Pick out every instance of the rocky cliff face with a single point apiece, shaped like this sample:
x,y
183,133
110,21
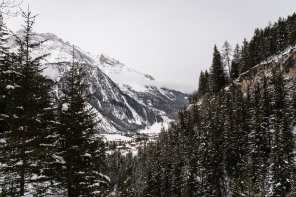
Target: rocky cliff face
x,y
284,62
125,100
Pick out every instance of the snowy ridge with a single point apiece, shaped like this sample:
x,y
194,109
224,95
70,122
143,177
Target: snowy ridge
x,y
124,99
123,75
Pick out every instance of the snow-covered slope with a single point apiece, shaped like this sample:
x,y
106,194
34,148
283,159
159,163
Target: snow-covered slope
x,y
125,100
124,76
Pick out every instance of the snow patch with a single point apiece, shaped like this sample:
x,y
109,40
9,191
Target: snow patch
x,y
87,155
51,73
9,87
19,163
59,159
155,128
65,106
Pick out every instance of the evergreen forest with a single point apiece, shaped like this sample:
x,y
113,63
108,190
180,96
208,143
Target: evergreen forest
x,y
236,137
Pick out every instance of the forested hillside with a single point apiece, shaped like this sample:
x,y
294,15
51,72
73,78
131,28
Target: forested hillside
x,y
236,138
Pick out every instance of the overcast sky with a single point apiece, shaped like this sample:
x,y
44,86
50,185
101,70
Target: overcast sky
x,y
171,40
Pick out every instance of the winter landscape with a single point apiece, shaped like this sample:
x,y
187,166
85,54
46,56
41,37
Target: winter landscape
x,y
74,123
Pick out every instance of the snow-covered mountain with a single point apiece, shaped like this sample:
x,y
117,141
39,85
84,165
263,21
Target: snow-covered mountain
x,y
125,100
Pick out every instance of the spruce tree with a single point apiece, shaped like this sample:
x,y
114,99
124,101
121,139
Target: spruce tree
x,y
235,138
207,81
5,73
214,151
283,144
217,75
226,54
282,34
235,63
28,112
125,176
80,151
293,103
165,162
6,82
201,84
273,39
258,142
245,57
254,49
266,112
291,24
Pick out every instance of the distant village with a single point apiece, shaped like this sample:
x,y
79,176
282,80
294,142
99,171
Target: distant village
x,y
127,143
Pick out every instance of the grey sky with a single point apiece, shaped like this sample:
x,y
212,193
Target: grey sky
x,y
172,40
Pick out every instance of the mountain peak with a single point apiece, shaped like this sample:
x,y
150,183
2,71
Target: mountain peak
x,y
124,75
104,59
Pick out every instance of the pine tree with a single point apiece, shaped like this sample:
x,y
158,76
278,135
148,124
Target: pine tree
x,y
203,87
291,24
166,162
153,171
207,81
6,82
202,84
266,42
273,39
5,74
246,116
217,75
125,176
245,57
266,111
27,116
235,63
140,172
265,135
214,151
244,186
113,163
189,146
293,103
282,34
226,54
254,49
283,144
177,164
258,142
80,151
235,138
240,130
